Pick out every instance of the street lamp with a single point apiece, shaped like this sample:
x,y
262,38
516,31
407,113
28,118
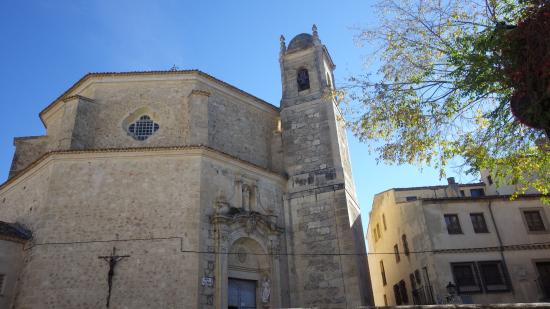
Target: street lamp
x,y
452,297
451,288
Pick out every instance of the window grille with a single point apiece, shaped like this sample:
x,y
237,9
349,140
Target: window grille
x,y
534,221
478,222
493,276
465,277
453,224
143,128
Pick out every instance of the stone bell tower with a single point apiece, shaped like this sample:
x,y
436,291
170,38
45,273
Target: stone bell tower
x,y
327,261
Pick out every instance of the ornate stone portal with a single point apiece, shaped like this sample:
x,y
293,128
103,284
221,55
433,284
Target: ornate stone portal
x,y
240,240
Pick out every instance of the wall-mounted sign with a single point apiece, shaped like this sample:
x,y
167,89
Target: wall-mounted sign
x,y
208,281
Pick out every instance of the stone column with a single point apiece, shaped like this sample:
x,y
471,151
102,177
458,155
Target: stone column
x,y
221,282
275,249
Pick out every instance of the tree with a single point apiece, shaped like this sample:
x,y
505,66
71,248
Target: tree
x,y
448,71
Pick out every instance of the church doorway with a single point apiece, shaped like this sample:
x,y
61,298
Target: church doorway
x,y
242,294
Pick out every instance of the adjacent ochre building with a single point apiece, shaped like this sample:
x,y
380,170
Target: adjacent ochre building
x,y
173,189
472,236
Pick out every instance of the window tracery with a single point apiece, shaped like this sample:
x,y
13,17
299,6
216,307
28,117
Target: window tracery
x,y
143,128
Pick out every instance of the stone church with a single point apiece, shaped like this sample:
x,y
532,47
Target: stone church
x,y
174,189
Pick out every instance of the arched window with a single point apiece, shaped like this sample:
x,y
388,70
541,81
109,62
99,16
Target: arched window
x,y
303,79
405,245
143,128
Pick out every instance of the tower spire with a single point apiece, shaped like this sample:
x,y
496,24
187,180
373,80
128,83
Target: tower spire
x,y
283,44
314,32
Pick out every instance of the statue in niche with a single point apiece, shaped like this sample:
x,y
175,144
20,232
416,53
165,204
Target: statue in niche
x,y
266,290
246,198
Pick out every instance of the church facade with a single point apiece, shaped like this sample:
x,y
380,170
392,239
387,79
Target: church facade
x,y
173,189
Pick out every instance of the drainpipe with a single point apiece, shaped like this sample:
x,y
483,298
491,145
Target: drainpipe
x,y
501,248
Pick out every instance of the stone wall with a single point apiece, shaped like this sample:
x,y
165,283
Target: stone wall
x,y
97,116
240,129
325,271
80,206
11,260
27,150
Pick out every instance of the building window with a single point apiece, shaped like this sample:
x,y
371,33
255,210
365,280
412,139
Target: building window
x,y
478,221
383,272
413,281
396,251
489,179
384,222
465,277
462,194
533,218
453,225
417,275
2,282
403,292
143,128
543,279
385,300
375,236
397,295
303,79
493,276
477,192
378,230
411,198
405,245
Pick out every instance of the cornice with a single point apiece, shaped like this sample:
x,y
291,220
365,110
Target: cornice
x,y
535,246
77,96
479,198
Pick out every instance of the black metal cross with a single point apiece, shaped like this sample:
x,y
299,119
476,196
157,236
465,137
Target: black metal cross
x,y
112,259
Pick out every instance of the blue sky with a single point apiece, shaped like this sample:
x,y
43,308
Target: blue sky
x,y
48,45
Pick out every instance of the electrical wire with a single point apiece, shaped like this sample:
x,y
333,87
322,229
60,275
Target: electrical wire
x,y
182,250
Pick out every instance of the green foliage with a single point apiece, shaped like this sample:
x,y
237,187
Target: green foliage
x,y
441,92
